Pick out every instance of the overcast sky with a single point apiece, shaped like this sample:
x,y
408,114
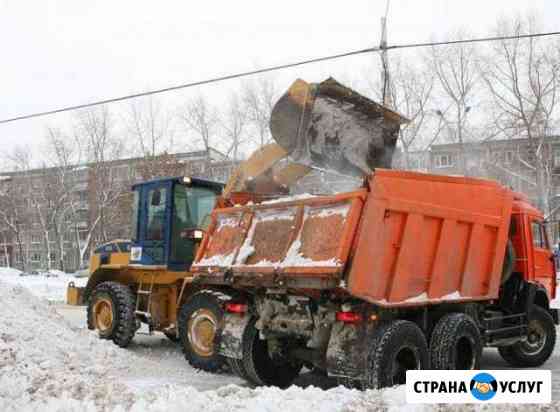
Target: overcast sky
x,y
66,52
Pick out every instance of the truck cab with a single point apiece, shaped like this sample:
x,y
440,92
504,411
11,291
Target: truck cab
x,y
534,259
168,219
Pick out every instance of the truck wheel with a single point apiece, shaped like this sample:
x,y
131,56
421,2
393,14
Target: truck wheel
x,y
396,347
111,312
237,367
538,347
456,343
264,362
200,319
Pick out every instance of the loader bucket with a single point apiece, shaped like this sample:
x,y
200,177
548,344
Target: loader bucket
x,y
329,126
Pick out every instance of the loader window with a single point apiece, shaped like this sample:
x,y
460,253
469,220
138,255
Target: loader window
x,y
134,223
156,214
191,206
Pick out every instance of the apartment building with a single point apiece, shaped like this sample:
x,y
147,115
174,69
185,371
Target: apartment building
x,y
43,224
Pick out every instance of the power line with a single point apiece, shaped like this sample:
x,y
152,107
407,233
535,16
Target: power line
x,y
479,40
268,69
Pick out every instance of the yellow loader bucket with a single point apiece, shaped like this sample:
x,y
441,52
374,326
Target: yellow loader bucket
x,y
329,126
74,295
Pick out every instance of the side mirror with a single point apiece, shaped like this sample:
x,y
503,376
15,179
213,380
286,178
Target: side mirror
x,y
156,198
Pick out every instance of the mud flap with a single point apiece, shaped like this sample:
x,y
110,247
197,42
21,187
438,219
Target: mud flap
x,y
347,350
230,341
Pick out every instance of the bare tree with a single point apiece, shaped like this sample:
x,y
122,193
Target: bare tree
x,y
63,155
95,131
522,76
234,123
201,118
259,97
150,127
458,80
411,91
14,216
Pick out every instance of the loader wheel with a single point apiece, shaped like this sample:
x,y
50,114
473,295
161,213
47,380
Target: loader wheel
x,y
264,361
111,312
456,343
397,346
541,338
172,336
200,320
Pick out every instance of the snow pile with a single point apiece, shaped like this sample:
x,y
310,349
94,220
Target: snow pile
x,y
46,365
50,285
43,358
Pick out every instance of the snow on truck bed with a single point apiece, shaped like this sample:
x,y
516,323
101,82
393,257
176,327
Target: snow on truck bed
x,y
274,235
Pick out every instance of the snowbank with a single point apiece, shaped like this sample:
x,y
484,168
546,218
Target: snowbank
x,y
48,285
48,365
42,358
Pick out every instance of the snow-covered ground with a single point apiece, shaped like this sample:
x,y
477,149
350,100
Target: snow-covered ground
x,y
49,361
48,285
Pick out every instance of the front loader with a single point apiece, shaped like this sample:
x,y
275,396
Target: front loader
x,y
323,127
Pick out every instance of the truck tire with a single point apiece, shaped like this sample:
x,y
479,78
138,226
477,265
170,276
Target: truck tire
x,y
396,347
541,339
261,369
237,367
111,312
456,343
199,321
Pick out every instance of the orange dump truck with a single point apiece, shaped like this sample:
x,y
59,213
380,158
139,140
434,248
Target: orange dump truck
x,y
411,271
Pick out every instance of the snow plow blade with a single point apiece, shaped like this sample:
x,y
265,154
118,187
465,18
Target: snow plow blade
x,y
329,126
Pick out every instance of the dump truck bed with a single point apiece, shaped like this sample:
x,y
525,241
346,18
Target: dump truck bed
x,y
406,239
301,241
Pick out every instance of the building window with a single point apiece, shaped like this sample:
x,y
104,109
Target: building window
x,y
35,238
443,160
35,257
509,156
496,157
557,158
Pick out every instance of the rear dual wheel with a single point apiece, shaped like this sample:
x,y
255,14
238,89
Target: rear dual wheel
x,y
456,343
397,346
265,361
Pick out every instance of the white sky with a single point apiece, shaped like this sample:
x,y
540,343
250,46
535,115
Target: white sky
x,y
66,52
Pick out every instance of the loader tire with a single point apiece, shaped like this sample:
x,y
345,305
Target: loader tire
x,y
261,368
200,320
456,343
541,338
111,312
172,336
397,346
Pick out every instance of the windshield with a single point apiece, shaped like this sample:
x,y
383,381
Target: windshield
x,y
193,205
191,209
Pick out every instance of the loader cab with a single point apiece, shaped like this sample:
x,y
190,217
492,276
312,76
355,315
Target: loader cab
x,y
167,215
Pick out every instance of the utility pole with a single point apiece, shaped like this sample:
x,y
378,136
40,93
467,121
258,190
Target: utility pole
x,y
387,101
